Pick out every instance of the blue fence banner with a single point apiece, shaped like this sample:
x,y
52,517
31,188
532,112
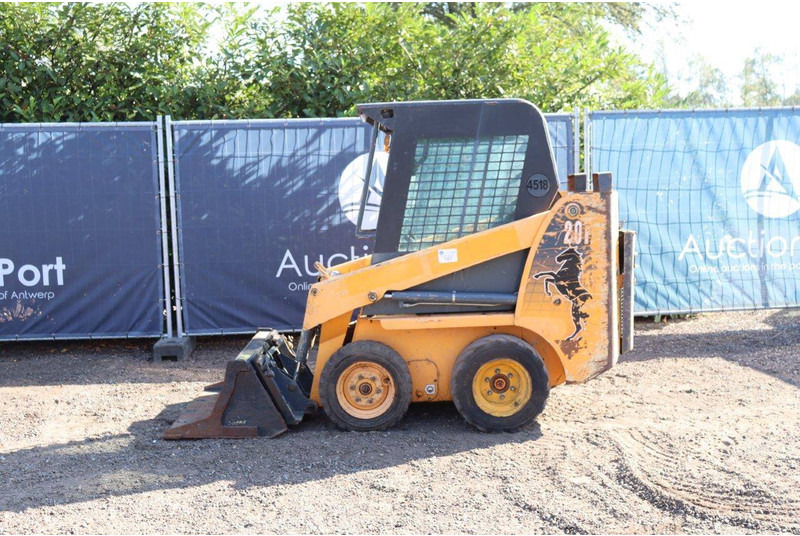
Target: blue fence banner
x,y
261,201
79,231
714,198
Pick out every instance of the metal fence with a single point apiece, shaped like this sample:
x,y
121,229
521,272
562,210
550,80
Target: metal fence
x,y
713,195
258,204
80,236
245,209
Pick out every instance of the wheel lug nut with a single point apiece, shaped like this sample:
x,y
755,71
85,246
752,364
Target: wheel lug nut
x,y
369,401
358,399
352,387
497,371
486,379
489,392
360,376
373,378
378,390
516,403
510,375
502,397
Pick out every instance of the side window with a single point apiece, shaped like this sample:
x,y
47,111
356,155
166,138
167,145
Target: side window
x,y
461,186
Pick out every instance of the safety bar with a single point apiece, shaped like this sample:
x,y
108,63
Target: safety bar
x,y
362,207
484,299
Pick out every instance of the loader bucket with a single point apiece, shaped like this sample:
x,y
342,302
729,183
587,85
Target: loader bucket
x,y
265,389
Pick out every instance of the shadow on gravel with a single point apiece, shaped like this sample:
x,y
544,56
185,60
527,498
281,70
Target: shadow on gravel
x,y
140,461
774,352
108,361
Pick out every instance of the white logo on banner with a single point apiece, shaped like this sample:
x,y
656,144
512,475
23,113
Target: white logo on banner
x,y
351,184
771,179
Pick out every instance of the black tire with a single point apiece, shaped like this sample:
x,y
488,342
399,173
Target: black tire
x,y
373,352
483,351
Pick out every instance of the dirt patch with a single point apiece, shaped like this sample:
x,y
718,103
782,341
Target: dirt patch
x,y
697,430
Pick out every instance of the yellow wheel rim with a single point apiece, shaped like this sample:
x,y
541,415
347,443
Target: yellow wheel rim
x,y
501,387
365,390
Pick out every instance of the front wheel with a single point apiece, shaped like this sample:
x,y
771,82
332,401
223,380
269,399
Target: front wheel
x,y
364,386
499,383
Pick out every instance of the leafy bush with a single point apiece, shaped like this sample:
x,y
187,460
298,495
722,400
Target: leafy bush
x,y
91,62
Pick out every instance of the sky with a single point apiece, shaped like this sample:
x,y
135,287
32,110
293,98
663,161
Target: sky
x,y
725,33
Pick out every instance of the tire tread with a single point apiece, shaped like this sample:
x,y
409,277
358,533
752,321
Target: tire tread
x,y
462,399
365,351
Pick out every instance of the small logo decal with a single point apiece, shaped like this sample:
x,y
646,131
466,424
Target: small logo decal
x,y
572,210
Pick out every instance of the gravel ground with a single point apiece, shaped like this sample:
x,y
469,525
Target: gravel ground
x,y
697,430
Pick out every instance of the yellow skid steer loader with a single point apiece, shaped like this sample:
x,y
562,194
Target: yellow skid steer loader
x,y
488,285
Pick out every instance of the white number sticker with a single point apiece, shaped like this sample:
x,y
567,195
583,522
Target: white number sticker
x,y
575,234
447,256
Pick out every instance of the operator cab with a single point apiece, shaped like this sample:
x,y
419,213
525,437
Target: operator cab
x,y
456,168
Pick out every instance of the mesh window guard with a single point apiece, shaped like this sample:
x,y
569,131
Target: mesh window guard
x,y
461,186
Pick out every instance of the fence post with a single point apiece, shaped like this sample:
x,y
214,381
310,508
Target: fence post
x,y
587,145
176,259
162,201
576,141
180,346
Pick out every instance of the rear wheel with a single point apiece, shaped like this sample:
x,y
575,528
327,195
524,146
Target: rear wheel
x,y
364,386
500,383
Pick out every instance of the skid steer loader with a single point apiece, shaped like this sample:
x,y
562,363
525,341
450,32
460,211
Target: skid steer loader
x,y
488,285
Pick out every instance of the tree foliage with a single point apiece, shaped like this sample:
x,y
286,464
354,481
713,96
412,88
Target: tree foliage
x,y
70,62
706,86
758,86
